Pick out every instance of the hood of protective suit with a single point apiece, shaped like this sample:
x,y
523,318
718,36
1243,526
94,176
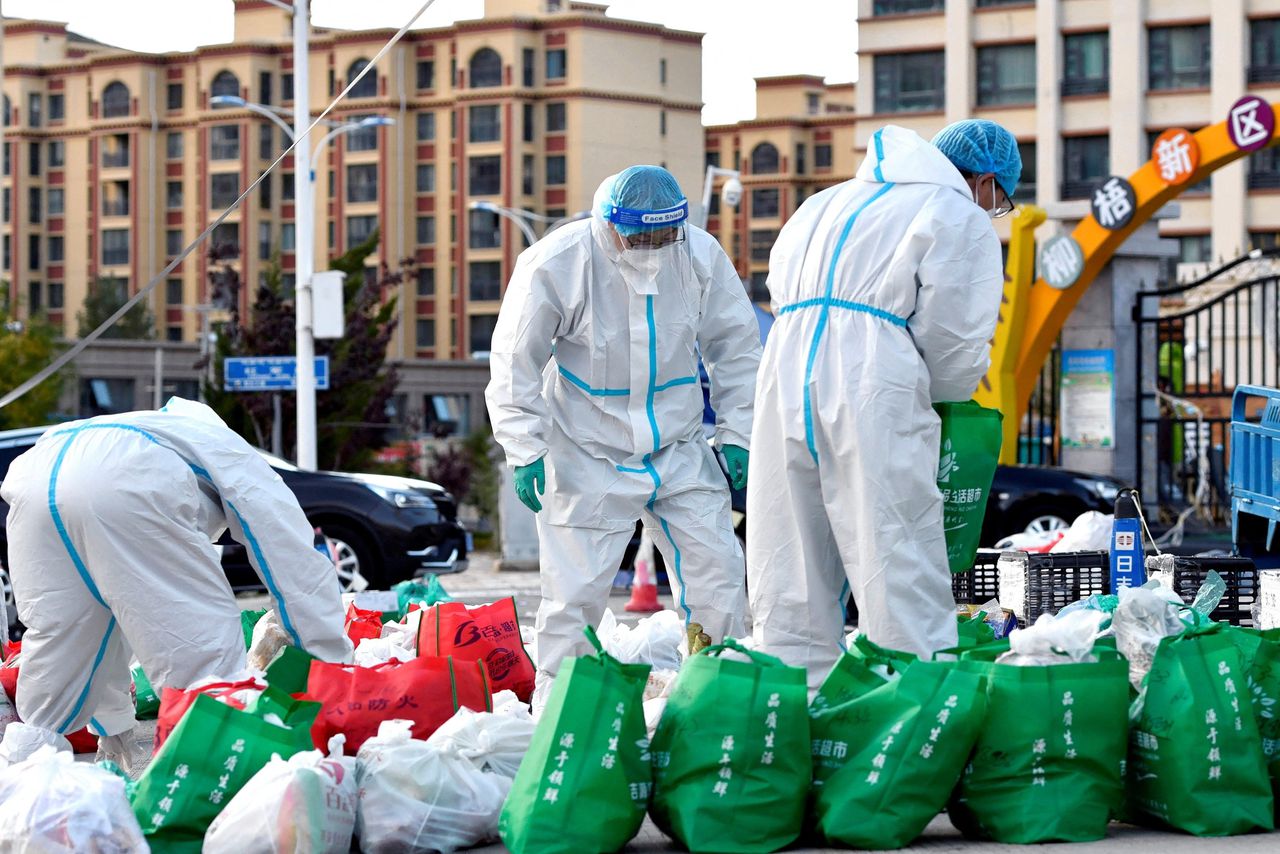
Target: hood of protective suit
x,y
193,409
899,156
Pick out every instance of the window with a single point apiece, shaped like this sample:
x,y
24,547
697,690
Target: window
x,y
555,170
485,176
764,159
56,249
362,183
7,254
762,241
662,71
485,68
1086,64
224,142
286,187
556,120
172,242
1195,249
909,82
426,178
485,278
758,287
55,296
528,123
173,291
173,97
1027,183
484,230
360,228
822,156
7,147
264,87
556,64
286,86
527,170
813,103
266,142
332,83
1085,162
224,189
288,237
57,154
264,241
55,202
5,204
115,101
426,332
173,194
33,158
35,109
426,77
484,123
426,126
426,230
905,7
1006,74
57,112
662,122
35,301
115,246
364,139
115,198
528,61
711,158
764,203
35,205
1264,169
1264,239
1264,52
801,159
264,195
226,84
1178,57
426,281
173,145
368,85
482,326
227,236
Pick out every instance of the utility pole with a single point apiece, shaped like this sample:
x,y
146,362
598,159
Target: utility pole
x,y
305,259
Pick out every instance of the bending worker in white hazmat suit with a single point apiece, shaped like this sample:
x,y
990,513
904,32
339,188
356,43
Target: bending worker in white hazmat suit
x,y
886,289
111,527
595,398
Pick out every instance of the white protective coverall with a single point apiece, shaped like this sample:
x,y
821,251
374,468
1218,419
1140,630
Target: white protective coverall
x,y
111,531
597,370
886,290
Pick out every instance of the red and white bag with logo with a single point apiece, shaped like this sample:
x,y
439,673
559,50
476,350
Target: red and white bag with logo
x,y
488,633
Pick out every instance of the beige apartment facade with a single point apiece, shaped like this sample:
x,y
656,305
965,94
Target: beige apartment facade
x,y
117,160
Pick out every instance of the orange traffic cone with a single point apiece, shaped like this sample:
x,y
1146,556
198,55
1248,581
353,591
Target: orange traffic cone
x,y
644,593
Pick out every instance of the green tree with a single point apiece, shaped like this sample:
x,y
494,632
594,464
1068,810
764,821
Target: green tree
x,y
25,348
106,295
351,417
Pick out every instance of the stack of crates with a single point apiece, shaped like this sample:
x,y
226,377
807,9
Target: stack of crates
x,y
1035,584
1238,573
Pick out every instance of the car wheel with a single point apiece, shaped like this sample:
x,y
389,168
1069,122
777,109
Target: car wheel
x,y
355,564
1046,524
1043,519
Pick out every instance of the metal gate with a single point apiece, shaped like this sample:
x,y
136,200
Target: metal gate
x,y
1038,433
1196,343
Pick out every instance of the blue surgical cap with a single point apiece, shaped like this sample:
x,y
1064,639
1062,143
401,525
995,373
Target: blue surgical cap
x,y
644,198
978,146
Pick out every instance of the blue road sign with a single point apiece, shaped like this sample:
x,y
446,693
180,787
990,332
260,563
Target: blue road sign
x,y
269,373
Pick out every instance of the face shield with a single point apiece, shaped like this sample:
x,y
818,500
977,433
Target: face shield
x,y
651,240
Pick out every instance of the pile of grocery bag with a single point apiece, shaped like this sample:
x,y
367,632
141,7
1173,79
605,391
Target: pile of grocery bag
x,y
1134,707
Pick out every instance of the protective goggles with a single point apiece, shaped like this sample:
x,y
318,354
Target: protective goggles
x,y
656,239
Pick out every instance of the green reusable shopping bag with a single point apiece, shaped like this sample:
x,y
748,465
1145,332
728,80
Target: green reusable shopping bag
x,y
249,619
207,758
861,668
973,631
885,763
970,450
290,669
731,754
1196,762
146,704
1047,766
585,781
1260,654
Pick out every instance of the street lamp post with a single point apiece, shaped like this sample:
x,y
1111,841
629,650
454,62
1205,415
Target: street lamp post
x,y
522,218
731,192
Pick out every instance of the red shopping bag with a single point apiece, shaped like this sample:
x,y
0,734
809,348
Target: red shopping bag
x,y
427,691
488,633
363,624
175,702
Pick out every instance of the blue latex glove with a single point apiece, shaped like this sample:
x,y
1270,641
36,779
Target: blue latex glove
x,y
735,458
528,479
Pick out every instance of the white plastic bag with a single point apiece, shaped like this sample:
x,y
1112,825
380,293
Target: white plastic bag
x,y
404,632
1065,639
306,805
268,639
655,640
656,691
375,651
414,796
1091,532
21,741
1144,617
493,741
51,804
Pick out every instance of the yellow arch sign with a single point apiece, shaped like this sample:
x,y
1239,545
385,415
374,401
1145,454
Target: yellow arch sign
x,y
1032,315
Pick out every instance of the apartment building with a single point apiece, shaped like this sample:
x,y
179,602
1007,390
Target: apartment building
x,y
115,160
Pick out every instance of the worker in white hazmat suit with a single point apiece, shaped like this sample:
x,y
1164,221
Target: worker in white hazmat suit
x,y
596,401
886,290
111,531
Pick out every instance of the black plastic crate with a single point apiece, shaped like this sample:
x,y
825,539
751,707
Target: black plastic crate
x,y
1035,584
978,585
1239,573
